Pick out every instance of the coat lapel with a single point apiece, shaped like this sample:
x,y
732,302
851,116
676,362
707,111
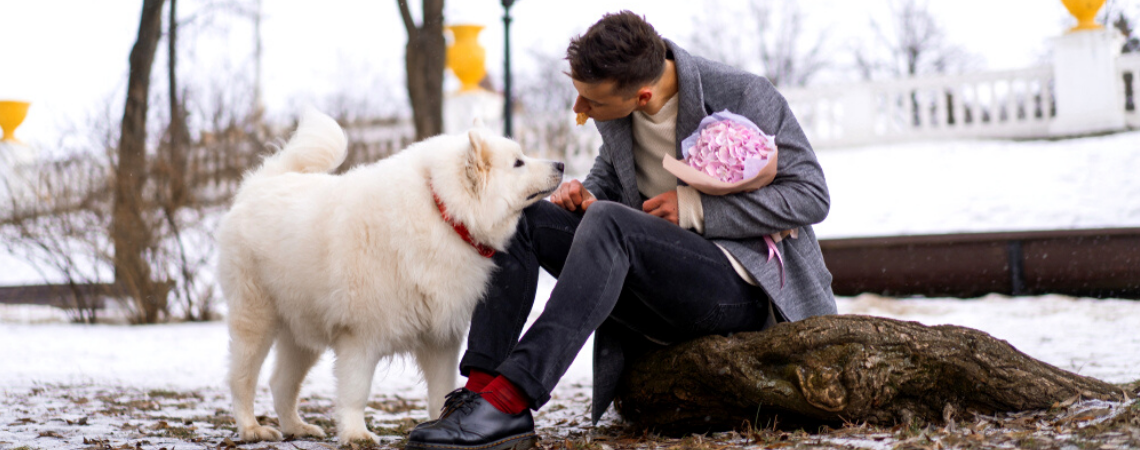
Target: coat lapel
x,y
618,135
691,107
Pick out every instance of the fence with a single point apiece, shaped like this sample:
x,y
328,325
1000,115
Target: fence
x,y
1130,76
1006,104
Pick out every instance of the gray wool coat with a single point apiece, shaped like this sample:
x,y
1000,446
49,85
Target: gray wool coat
x,y
797,198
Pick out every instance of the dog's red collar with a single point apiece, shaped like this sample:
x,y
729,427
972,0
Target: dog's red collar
x,y
459,228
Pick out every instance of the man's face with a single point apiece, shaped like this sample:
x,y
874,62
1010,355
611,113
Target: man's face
x,y
599,101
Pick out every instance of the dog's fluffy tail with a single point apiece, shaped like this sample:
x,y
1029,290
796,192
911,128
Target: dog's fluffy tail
x,y
318,145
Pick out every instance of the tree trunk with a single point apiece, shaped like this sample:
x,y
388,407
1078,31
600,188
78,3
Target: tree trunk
x,y
829,370
424,64
175,163
128,229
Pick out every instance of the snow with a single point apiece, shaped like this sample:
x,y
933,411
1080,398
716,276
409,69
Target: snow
x,y
878,190
1087,336
183,356
951,187
974,186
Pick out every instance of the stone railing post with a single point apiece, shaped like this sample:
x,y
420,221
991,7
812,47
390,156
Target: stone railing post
x,y
1087,91
859,116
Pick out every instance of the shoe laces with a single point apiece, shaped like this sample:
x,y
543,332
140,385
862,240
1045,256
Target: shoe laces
x,y
459,398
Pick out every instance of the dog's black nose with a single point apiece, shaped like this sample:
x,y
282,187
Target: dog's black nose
x,y
561,167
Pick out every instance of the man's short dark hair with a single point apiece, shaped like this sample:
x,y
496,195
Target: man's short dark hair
x,y
622,48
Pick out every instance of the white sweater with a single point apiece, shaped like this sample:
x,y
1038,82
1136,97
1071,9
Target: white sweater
x,y
655,136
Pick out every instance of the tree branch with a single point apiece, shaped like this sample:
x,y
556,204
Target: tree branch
x,y
409,24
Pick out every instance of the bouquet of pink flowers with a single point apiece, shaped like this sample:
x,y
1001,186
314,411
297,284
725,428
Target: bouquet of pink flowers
x,y
727,154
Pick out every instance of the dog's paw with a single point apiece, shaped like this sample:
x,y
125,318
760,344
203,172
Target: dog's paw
x,y
350,436
259,433
304,430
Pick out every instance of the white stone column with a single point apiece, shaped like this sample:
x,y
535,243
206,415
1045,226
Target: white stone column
x,y
460,109
858,116
1088,89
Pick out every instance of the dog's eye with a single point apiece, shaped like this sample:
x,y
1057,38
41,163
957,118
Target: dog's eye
x,y
518,163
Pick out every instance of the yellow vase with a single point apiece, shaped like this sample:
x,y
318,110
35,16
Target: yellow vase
x,y
1085,12
12,114
465,57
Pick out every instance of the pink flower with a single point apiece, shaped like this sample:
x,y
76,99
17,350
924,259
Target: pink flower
x,y
730,151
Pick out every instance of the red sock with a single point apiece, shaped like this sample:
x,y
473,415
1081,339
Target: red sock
x,y
477,380
505,396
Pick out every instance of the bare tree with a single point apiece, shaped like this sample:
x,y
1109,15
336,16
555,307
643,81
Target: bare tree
x,y
1124,25
128,227
173,167
424,63
59,217
769,39
548,128
913,43
42,226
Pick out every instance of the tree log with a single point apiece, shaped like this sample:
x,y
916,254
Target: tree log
x,y
831,370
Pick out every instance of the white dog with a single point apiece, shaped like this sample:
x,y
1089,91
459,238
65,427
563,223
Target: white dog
x,y
371,263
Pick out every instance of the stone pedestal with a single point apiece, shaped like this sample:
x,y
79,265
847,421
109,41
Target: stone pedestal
x,y
461,109
1087,87
17,174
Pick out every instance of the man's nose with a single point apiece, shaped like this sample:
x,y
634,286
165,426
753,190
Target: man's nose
x,y
580,105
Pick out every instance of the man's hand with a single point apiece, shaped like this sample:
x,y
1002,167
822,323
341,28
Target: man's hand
x,y
571,196
663,206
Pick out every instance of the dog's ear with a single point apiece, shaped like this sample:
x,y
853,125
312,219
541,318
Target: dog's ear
x,y
478,165
478,122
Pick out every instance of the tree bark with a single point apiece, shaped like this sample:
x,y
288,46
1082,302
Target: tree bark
x,y
424,64
129,231
829,370
175,164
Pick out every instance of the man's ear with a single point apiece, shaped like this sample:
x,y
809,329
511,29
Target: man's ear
x,y
478,160
643,96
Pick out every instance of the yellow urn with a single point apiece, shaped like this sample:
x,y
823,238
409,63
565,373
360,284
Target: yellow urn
x,y
1085,12
12,114
465,57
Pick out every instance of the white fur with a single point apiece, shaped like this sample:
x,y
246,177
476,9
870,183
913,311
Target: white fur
x,y
363,263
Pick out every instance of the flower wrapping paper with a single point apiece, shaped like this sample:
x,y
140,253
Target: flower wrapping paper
x,y
725,155
728,154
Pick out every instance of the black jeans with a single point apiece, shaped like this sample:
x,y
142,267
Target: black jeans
x,y
612,263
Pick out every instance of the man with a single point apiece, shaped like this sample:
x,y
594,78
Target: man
x,y
639,259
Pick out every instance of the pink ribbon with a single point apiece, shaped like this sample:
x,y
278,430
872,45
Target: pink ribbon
x,y
772,251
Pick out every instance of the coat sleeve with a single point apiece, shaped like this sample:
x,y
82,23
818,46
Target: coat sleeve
x,y
798,196
602,181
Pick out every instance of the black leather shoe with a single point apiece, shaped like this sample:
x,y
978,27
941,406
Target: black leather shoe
x,y
473,423
453,398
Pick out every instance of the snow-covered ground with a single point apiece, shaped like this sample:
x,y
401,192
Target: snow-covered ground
x,y
1088,336
163,385
884,190
975,186
956,186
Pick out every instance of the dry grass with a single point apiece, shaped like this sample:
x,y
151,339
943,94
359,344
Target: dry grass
x,y
103,418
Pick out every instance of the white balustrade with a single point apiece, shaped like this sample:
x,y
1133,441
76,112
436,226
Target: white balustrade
x,y
1012,104
1129,67
1006,104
